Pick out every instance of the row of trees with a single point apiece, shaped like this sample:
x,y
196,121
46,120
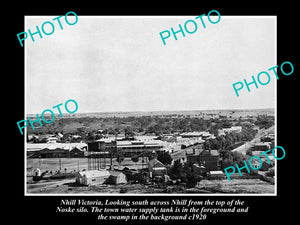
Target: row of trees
x,y
85,126
226,142
264,121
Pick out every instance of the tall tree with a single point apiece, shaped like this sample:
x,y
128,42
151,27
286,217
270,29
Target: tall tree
x,y
164,157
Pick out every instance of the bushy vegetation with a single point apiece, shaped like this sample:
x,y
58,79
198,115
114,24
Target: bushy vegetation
x,y
182,172
87,128
264,121
229,141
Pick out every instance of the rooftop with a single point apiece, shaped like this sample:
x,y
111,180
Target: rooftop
x,y
94,173
65,146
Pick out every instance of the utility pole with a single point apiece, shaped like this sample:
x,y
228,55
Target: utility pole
x,y
78,165
59,161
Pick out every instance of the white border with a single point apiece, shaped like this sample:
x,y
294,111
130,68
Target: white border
x,y
158,194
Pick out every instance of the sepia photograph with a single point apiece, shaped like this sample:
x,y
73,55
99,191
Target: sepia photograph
x,y
150,105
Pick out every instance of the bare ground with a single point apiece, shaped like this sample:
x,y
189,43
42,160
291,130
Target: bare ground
x,y
68,186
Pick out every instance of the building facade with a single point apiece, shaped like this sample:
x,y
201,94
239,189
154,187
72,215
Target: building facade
x,y
208,159
126,148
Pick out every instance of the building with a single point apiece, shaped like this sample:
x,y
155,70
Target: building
x,y
262,146
54,150
191,134
116,177
198,169
225,131
76,152
198,135
102,145
206,158
52,139
156,168
126,148
92,177
268,138
132,148
216,174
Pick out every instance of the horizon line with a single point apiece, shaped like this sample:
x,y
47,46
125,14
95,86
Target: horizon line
x,y
145,111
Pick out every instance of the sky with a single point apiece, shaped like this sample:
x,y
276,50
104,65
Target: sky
x,y
109,64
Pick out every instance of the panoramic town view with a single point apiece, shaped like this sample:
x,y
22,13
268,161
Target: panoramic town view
x,y
171,152
152,118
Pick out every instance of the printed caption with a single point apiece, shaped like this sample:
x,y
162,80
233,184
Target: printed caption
x,y
169,210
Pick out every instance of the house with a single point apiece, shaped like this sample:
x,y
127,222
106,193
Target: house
x,y
91,177
156,168
224,131
209,159
206,158
116,177
76,152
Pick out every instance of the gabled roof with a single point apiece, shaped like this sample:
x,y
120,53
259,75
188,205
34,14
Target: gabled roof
x,y
155,163
52,146
94,173
115,173
212,152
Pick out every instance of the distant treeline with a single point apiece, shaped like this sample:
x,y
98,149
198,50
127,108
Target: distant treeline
x,y
86,126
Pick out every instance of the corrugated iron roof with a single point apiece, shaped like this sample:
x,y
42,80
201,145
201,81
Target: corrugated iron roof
x,y
52,146
94,173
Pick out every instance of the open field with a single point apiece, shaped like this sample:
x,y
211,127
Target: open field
x,y
68,186
250,186
71,164
235,186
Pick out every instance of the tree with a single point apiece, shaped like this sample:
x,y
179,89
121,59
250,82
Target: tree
x,y
224,163
117,130
135,159
110,130
164,157
128,132
190,177
226,123
176,171
120,158
237,157
264,121
184,173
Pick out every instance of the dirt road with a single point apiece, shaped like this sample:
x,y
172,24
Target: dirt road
x,y
243,148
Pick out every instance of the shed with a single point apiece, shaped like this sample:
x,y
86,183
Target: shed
x,y
116,177
76,152
216,174
91,177
156,168
198,169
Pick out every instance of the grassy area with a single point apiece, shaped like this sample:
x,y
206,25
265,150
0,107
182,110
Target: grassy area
x,y
68,186
251,186
71,164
